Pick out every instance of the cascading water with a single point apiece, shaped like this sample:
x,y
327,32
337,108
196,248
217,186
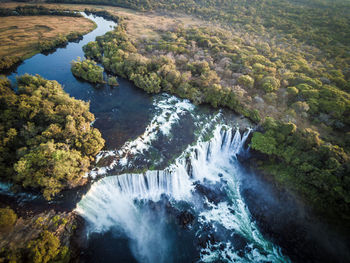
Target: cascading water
x,y
118,203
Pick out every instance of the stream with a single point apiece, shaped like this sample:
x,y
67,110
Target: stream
x,y
170,184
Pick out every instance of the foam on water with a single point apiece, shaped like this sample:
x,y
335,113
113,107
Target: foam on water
x,y
168,111
114,202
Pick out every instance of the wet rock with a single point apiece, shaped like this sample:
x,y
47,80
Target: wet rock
x,y
185,218
213,193
239,242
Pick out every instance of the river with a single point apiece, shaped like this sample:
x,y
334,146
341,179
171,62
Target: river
x,y
170,186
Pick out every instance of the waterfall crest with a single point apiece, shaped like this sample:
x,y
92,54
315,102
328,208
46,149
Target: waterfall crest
x,y
114,201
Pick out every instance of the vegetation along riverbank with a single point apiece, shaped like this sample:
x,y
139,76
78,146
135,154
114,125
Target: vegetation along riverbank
x,y
273,61
28,30
258,79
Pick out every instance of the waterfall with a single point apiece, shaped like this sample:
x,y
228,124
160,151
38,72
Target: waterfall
x,y
114,202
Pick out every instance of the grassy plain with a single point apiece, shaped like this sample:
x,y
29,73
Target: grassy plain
x,y
140,24
19,36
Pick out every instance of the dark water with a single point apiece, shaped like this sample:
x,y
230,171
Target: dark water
x,y
122,114
291,224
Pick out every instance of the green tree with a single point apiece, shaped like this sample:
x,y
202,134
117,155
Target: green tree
x,y
44,249
7,218
270,84
46,140
51,167
87,70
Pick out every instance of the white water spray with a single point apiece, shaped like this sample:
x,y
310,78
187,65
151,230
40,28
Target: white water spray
x,y
113,202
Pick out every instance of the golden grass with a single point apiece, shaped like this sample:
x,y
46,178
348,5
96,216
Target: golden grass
x,y
19,36
140,24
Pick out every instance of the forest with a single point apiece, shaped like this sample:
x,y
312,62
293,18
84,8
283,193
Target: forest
x,y
258,79
282,66
47,142
295,19
35,11
300,158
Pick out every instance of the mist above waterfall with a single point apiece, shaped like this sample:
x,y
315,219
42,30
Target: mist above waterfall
x,y
125,204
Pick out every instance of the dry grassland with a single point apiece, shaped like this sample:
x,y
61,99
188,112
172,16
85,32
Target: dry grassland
x,y
140,24
19,36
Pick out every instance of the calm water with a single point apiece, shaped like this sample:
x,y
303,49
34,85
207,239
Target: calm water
x,y
121,113
197,203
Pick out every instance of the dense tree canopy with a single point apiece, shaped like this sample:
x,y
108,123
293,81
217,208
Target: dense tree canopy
x,y
87,70
36,11
46,140
9,61
256,78
301,159
196,81
302,20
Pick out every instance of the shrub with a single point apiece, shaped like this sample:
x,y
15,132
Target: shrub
x,y
44,249
7,217
300,106
150,82
87,70
264,143
292,91
112,81
246,81
258,68
270,84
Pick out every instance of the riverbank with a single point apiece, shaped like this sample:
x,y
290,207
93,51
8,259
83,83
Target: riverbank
x,y
209,65
42,223
24,36
160,129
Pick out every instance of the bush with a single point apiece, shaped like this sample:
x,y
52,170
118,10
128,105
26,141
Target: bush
x,y
112,81
292,91
270,84
150,82
198,68
44,249
9,61
301,106
87,70
263,143
7,217
246,81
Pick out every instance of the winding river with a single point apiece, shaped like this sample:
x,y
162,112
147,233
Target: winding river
x,y
198,202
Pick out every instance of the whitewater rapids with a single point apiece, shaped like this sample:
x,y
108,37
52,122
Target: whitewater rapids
x,y
115,202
